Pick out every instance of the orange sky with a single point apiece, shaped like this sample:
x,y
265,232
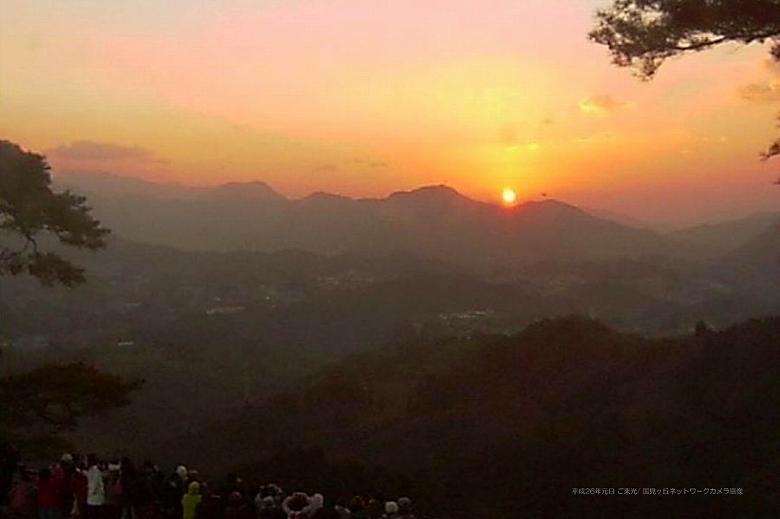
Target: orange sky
x,y
364,98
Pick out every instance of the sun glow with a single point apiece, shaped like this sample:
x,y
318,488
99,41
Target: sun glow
x,y
509,196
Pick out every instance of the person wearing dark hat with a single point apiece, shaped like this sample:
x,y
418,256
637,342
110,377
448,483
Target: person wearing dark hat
x,y
297,505
357,507
237,507
405,508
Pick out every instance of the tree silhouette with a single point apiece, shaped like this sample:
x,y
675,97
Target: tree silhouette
x,y
642,34
30,211
50,398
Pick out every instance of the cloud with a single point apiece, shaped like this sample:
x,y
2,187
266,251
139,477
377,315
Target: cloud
x,y
326,168
102,152
773,66
761,92
597,138
528,146
601,104
370,163
764,91
511,139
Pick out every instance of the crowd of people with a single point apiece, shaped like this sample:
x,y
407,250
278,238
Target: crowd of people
x,y
91,488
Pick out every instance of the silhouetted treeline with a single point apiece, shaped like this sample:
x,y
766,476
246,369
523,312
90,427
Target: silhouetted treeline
x,y
509,426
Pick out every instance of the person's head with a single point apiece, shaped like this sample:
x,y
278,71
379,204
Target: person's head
x,y
193,488
391,507
356,504
268,502
317,501
376,506
181,471
298,501
273,490
126,465
405,504
66,459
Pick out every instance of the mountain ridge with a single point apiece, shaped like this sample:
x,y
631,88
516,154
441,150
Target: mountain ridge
x,y
435,222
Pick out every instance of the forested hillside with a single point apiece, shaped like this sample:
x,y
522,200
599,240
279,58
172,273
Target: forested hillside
x,y
497,425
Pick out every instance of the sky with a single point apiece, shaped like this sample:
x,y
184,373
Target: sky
x,y
364,98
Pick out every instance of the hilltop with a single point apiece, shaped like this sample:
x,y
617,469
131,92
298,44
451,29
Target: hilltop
x,y
433,222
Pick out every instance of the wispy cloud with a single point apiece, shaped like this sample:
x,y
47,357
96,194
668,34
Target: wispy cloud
x,y
326,168
773,66
768,92
93,151
597,138
601,104
370,163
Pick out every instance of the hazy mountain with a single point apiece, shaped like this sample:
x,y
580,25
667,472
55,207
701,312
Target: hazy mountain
x,y
763,250
722,237
110,185
434,222
658,226
244,192
755,266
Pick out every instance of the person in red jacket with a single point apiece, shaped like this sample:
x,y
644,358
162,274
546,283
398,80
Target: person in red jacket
x,y
49,495
78,489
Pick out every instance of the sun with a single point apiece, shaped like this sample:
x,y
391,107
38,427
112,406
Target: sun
x,y
509,196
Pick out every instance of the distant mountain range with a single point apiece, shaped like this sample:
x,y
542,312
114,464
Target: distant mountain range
x,y
718,238
434,222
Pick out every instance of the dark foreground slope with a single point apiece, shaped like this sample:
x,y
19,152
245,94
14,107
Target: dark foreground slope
x,y
507,426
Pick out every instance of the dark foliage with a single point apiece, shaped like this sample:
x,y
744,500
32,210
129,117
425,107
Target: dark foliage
x,y
508,426
37,404
30,210
644,33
